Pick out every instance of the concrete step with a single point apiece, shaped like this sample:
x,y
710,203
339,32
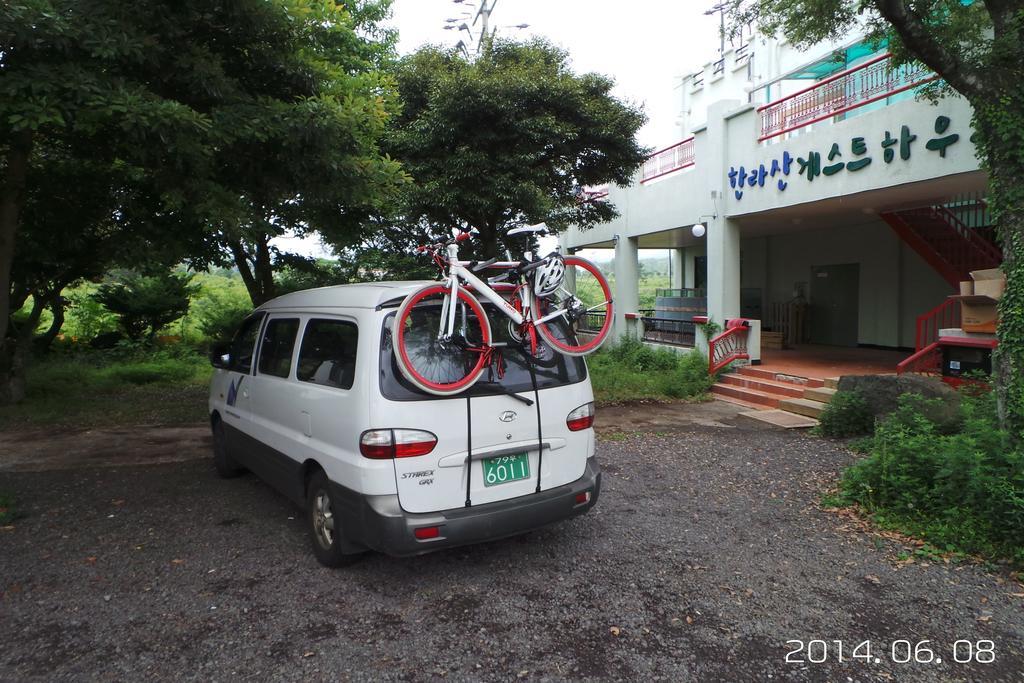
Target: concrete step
x,y
832,382
820,394
760,373
779,418
740,402
802,406
748,396
769,386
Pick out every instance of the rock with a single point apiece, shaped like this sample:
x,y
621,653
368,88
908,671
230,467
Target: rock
x,y
882,392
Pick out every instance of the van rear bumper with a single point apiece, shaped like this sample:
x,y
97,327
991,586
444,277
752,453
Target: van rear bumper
x,y
379,523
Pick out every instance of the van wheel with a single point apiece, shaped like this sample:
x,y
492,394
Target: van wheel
x,y
324,525
226,466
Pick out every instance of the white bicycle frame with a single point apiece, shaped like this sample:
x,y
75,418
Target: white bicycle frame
x,y
457,269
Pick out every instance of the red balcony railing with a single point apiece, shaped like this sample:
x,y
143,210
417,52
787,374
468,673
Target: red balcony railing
x,y
865,83
679,155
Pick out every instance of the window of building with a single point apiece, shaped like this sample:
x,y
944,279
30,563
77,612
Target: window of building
x,y
328,353
277,346
244,343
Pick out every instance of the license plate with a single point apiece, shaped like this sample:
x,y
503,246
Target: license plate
x,y
506,468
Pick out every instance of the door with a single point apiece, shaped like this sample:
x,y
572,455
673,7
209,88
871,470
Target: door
x,y
237,417
835,304
276,420
500,429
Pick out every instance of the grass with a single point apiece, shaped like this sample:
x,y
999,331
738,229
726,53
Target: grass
x,y
76,388
960,492
113,389
632,371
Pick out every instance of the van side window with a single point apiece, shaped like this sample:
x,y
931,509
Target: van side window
x,y
244,343
277,346
328,353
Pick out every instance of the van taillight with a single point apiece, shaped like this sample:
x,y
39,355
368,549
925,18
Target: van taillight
x,y
581,418
385,444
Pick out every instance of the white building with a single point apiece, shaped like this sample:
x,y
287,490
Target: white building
x,y
839,209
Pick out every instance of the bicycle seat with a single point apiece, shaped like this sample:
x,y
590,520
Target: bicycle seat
x,y
523,229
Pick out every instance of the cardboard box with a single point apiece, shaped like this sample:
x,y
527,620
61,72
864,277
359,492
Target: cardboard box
x,y
771,340
966,287
977,313
990,283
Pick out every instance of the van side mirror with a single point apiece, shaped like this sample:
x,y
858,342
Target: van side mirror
x,y
220,355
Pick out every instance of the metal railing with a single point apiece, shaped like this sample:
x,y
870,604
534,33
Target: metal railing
x,y
667,330
874,80
684,292
592,322
943,316
926,361
728,346
678,156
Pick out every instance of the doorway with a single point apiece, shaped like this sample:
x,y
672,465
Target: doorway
x,y
834,304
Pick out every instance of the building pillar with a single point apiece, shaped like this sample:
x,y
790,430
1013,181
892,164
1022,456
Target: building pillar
x,y
678,259
723,245
627,284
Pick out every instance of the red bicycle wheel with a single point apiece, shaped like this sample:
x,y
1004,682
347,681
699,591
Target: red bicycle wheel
x,y
438,366
585,300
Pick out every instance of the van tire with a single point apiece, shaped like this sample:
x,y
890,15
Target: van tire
x,y
324,526
226,466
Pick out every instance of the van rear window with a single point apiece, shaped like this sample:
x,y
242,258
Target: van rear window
x,y
553,369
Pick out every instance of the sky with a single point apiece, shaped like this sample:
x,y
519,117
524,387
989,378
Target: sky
x,y
644,45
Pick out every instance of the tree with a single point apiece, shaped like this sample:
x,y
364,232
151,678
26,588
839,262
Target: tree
x,y
225,123
308,159
146,303
977,47
508,137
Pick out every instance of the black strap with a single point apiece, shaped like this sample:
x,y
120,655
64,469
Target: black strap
x,y
540,436
469,451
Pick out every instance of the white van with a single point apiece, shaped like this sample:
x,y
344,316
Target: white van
x,y
308,397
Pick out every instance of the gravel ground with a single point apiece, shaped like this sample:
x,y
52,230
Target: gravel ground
x,y
705,554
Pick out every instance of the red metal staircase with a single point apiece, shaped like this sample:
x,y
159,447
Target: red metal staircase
x,y
944,241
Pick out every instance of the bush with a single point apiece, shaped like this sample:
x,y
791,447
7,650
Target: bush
x,y
631,370
847,414
86,317
220,308
145,303
690,378
962,491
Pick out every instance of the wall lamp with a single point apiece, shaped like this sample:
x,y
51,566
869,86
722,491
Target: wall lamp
x,y
700,228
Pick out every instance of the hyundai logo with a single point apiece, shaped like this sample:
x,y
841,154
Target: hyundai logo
x,y
507,416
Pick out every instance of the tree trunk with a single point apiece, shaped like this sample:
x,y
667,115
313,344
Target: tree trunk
x,y
1000,141
45,340
490,245
1009,356
257,271
16,356
264,270
12,195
